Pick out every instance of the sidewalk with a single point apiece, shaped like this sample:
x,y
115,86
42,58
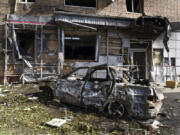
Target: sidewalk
x,y
169,90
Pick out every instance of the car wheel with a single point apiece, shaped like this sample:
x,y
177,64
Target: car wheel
x,y
116,109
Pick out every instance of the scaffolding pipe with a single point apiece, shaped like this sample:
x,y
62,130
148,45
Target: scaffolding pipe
x,y
107,48
15,6
23,80
59,50
35,46
132,2
6,57
62,40
41,52
63,48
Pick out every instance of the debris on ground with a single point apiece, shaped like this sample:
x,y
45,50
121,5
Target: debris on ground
x,y
2,95
5,91
27,109
56,122
154,124
33,98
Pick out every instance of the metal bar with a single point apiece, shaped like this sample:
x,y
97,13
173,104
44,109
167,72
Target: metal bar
x,y
41,52
23,81
15,6
6,57
132,2
59,49
35,46
98,44
13,49
169,59
62,40
107,48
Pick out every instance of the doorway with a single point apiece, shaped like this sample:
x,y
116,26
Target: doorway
x,y
139,59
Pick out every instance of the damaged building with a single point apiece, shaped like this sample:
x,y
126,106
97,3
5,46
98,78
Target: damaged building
x,y
44,39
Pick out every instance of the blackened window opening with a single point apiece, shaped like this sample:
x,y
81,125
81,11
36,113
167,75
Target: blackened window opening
x,y
135,6
82,3
28,0
81,47
25,41
31,1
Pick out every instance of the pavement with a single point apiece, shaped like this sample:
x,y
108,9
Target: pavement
x,y
171,107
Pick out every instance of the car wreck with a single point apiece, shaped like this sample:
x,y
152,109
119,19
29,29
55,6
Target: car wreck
x,y
104,88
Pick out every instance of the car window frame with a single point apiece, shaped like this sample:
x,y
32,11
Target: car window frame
x,y
75,70
92,72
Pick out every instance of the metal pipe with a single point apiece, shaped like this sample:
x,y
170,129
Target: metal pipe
x,y
6,57
15,6
41,52
107,48
59,49
132,2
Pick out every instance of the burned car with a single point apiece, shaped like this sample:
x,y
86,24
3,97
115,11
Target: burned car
x,y
101,87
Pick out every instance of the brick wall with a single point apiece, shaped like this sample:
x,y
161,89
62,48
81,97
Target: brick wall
x,y
166,8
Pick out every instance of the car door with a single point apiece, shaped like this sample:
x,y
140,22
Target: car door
x,y
69,87
96,88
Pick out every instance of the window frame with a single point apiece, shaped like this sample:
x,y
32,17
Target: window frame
x,y
96,53
166,61
134,11
81,6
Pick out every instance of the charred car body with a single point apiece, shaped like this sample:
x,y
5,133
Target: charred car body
x,y
102,88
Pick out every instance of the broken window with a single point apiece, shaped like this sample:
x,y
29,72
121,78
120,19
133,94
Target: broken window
x,y
25,41
82,3
135,5
158,56
80,46
27,1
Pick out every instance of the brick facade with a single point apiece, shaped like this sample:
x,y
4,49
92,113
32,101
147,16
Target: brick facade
x,y
167,8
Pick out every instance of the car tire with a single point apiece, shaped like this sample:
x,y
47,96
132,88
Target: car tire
x,y
116,109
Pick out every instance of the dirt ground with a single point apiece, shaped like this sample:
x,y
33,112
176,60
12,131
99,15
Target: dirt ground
x,y
21,116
